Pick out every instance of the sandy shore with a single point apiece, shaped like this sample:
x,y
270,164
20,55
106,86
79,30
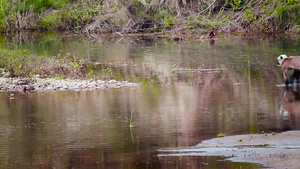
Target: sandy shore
x,y
51,84
281,150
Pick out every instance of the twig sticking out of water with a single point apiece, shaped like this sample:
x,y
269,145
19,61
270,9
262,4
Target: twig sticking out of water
x,y
131,124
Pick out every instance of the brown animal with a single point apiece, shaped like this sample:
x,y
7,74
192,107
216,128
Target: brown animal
x,y
289,63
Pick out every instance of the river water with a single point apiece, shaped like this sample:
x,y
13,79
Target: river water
x,y
188,92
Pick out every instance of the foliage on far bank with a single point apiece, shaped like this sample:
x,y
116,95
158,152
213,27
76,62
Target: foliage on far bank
x,y
142,16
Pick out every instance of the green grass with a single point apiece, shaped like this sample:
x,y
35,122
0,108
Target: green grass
x,y
50,21
221,135
20,64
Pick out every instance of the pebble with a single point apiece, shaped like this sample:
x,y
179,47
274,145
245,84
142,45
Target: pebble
x,y
49,84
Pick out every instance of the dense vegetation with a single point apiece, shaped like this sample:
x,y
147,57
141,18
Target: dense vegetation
x,y
136,16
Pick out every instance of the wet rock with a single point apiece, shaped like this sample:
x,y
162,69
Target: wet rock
x,y
168,85
112,81
28,88
23,82
65,87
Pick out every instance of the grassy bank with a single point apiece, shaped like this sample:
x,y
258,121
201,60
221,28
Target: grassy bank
x,y
20,64
148,16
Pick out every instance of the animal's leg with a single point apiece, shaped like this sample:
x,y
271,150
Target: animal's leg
x,y
295,76
286,76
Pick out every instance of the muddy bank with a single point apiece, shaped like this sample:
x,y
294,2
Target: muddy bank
x,y
273,151
51,84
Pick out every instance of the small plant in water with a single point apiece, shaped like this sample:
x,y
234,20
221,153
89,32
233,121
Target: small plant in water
x,y
131,124
240,140
221,135
266,134
273,133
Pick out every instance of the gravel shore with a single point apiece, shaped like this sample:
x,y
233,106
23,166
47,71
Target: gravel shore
x,y
279,150
51,84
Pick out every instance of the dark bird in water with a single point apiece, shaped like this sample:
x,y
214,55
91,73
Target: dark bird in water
x,y
211,34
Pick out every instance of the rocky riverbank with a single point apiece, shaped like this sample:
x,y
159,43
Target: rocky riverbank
x,y
279,150
51,84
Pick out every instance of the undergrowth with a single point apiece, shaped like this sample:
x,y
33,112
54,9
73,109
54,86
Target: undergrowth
x,y
20,64
135,16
